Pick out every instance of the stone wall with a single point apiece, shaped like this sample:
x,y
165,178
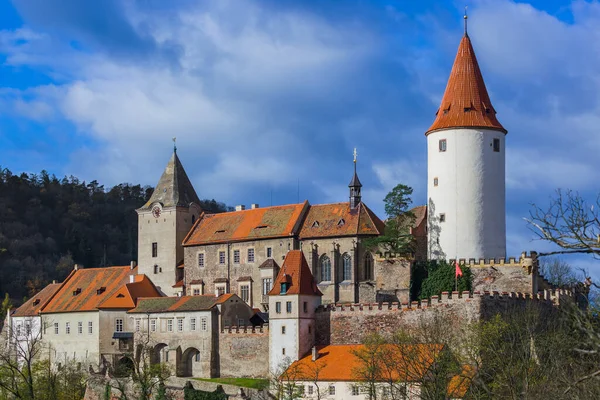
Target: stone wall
x,y
244,352
350,324
392,279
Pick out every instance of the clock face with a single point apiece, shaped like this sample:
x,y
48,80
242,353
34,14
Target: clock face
x,y
156,211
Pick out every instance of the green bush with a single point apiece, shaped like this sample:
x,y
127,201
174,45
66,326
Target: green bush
x,y
440,278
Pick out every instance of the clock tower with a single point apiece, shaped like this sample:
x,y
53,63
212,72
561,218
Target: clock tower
x,y
163,223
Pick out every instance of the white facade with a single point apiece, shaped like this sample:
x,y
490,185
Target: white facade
x,y
22,332
291,333
466,194
344,390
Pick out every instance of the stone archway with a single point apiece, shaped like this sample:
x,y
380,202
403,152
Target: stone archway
x,y
190,363
124,367
159,354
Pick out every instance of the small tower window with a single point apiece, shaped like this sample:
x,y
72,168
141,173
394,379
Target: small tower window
x,y
156,269
442,217
435,181
154,249
442,144
497,145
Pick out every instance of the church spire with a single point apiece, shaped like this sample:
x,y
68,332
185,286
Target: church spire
x,y
355,186
466,103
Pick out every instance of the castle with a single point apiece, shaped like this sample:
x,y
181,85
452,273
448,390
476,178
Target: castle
x,y
241,293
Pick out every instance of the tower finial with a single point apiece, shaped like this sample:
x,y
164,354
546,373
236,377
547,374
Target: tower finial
x,y
466,17
355,154
174,145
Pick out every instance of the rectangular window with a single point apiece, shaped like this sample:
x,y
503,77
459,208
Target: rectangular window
x,y
137,325
310,389
442,144
19,329
266,285
288,306
68,328
56,328
203,321
221,257
90,327
192,324
153,325
283,351
154,249
241,322
283,330
80,327
245,293
442,217
250,255
435,181
201,260
278,307
236,256
169,325
196,292
27,327
118,325
220,290
269,252
305,307
331,390
355,391
179,324
497,145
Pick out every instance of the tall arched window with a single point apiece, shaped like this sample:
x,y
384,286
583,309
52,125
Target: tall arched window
x,y
325,267
346,267
368,266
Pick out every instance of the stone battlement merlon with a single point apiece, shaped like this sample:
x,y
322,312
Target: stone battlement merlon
x,y
446,298
245,329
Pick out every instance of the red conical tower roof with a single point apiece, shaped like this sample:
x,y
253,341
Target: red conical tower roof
x,y
466,103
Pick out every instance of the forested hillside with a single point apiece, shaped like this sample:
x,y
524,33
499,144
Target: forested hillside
x,y
48,224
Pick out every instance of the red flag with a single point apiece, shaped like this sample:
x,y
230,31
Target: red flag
x,y
458,271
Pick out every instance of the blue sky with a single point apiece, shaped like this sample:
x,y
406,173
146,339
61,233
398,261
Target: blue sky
x,y
265,94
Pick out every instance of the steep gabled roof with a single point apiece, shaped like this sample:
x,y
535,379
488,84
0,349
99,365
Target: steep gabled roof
x,y
126,297
339,219
296,273
32,306
340,363
466,103
86,289
174,187
256,223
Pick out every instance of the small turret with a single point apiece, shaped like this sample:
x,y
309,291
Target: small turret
x,y
355,186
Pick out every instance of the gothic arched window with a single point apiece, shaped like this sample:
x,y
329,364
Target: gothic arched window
x,y
325,267
193,219
368,266
346,267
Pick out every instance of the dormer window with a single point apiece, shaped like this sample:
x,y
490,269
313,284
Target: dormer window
x,y
120,296
101,290
220,231
261,226
341,222
284,287
36,302
76,291
315,224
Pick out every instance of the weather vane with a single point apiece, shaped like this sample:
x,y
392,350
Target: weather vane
x,y
354,153
466,17
174,144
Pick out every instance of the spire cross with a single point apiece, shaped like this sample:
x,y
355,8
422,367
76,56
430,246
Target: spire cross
x,y
355,154
466,17
174,144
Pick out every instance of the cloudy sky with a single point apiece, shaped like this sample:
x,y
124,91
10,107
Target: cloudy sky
x,y
265,96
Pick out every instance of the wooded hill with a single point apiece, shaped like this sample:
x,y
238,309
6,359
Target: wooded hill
x,y
49,224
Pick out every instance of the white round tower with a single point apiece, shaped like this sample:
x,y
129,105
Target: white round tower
x,y
466,168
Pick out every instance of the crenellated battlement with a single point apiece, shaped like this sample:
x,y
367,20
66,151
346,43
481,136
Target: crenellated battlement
x,y
245,329
549,295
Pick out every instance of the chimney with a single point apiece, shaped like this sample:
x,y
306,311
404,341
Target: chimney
x,y
254,205
133,264
240,207
315,353
77,267
131,278
53,281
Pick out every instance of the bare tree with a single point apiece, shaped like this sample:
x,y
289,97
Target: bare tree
x,y
558,272
284,380
570,222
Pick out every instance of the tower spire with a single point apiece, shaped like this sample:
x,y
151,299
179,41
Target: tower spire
x,y
355,185
174,145
466,17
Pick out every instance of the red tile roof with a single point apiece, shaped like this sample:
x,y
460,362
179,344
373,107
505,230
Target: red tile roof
x,y
466,102
79,292
257,223
179,283
126,297
338,219
32,306
460,384
295,271
183,303
340,363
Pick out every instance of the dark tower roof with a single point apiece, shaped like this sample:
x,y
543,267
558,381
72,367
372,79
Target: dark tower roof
x,y
355,182
174,187
466,103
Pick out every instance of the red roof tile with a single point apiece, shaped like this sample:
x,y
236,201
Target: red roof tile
x,y
295,271
460,384
179,283
340,363
257,223
338,219
182,303
79,292
32,306
466,102
126,297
